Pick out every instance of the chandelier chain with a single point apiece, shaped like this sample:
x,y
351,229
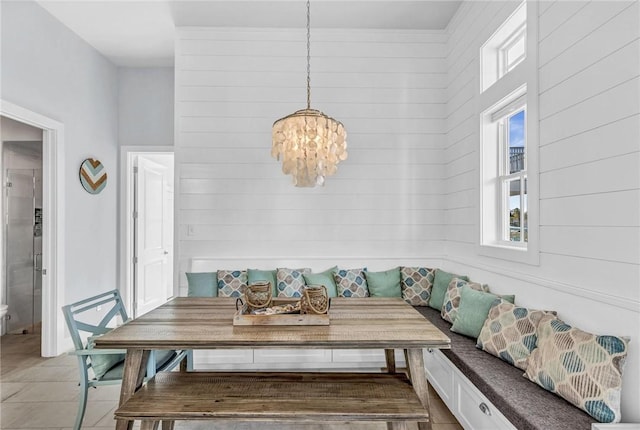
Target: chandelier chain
x,y
308,54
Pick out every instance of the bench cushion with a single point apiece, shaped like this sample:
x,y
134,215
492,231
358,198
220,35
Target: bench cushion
x,y
523,403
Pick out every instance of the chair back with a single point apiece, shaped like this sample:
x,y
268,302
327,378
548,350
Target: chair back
x,y
78,316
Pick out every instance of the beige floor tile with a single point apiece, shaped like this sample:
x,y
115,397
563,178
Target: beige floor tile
x,y
10,389
48,414
43,374
46,392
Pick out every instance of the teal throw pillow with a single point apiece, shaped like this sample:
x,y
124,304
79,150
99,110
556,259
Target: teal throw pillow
x,y
323,278
441,282
474,309
255,275
101,363
202,284
384,284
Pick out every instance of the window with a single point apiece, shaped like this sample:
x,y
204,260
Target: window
x,y
505,49
508,115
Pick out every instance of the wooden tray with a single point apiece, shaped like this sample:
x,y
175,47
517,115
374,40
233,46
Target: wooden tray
x,y
243,318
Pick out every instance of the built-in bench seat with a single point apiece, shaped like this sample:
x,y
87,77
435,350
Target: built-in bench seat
x,y
523,403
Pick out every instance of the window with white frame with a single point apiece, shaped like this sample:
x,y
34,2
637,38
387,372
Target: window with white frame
x,y
505,49
509,200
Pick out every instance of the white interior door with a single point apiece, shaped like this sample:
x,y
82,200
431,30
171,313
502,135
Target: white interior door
x,y
153,249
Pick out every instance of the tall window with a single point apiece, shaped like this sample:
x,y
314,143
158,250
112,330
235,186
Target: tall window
x,y
509,202
513,177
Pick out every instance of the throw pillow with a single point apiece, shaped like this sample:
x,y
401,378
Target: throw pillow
x,y
452,297
291,282
384,284
351,283
254,276
584,369
202,284
323,278
231,283
509,333
101,363
416,285
441,282
473,310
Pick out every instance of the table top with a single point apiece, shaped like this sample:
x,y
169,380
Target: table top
x,y
207,323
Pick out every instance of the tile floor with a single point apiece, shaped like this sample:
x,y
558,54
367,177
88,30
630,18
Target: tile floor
x,y
42,393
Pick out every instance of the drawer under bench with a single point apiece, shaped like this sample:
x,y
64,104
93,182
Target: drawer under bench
x,y
263,396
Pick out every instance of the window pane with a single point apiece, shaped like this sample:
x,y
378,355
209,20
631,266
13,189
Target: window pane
x,y
516,135
525,213
515,211
515,53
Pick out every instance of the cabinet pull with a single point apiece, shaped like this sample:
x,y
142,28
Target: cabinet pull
x,y
485,409
430,350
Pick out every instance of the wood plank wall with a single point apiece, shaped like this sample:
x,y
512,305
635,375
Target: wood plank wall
x,y
589,155
387,87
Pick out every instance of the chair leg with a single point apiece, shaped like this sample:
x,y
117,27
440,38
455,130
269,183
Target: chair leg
x,y
168,425
149,425
84,388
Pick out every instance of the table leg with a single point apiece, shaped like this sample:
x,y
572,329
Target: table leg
x,y
415,363
389,355
135,366
406,360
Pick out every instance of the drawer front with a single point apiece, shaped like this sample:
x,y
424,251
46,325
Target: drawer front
x,y
291,358
222,359
440,374
475,412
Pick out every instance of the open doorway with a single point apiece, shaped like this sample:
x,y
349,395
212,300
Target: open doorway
x,y
148,221
47,222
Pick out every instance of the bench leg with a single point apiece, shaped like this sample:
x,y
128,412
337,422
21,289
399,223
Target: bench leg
x,y
135,365
168,425
406,360
389,355
415,364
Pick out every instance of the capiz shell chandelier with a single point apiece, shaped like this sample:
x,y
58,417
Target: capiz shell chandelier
x,y
310,143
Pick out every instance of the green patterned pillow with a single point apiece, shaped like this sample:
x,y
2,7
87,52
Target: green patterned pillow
x,y
582,368
416,285
452,297
255,275
351,283
384,284
202,284
291,282
231,283
509,333
323,278
441,282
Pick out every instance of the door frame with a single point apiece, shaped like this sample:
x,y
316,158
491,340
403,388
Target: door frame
x,y
53,228
127,157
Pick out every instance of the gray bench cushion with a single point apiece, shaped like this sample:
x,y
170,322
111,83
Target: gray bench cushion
x,y
523,403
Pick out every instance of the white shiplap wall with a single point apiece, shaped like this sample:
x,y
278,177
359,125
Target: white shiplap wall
x,y
589,156
386,201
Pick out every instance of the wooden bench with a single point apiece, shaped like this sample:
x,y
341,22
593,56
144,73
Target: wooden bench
x,y
293,397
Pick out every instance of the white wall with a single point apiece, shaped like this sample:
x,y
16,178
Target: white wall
x,y
145,106
589,85
49,70
387,87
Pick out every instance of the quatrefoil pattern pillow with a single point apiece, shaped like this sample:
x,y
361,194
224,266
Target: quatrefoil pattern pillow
x,y
290,282
583,368
509,333
416,285
231,283
351,283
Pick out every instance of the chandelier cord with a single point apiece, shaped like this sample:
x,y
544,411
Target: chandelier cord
x,y
308,54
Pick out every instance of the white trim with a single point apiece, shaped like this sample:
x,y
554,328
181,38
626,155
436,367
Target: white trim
x,y
127,157
54,341
600,297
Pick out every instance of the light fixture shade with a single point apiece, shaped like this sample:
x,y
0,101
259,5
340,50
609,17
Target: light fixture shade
x,y
311,144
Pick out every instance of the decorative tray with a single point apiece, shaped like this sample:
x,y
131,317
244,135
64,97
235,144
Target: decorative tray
x,y
285,312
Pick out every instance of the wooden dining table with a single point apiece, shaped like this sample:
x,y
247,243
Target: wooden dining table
x,y
191,323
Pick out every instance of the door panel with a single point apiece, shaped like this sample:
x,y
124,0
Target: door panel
x,y
153,231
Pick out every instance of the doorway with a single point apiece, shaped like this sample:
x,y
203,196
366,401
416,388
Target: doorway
x,y
22,220
148,221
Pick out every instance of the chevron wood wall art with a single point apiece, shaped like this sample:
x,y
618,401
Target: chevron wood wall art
x,y
93,176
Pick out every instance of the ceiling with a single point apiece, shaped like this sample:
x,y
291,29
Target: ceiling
x,y
141,33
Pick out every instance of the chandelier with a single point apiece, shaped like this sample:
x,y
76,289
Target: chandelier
x,y
310,143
